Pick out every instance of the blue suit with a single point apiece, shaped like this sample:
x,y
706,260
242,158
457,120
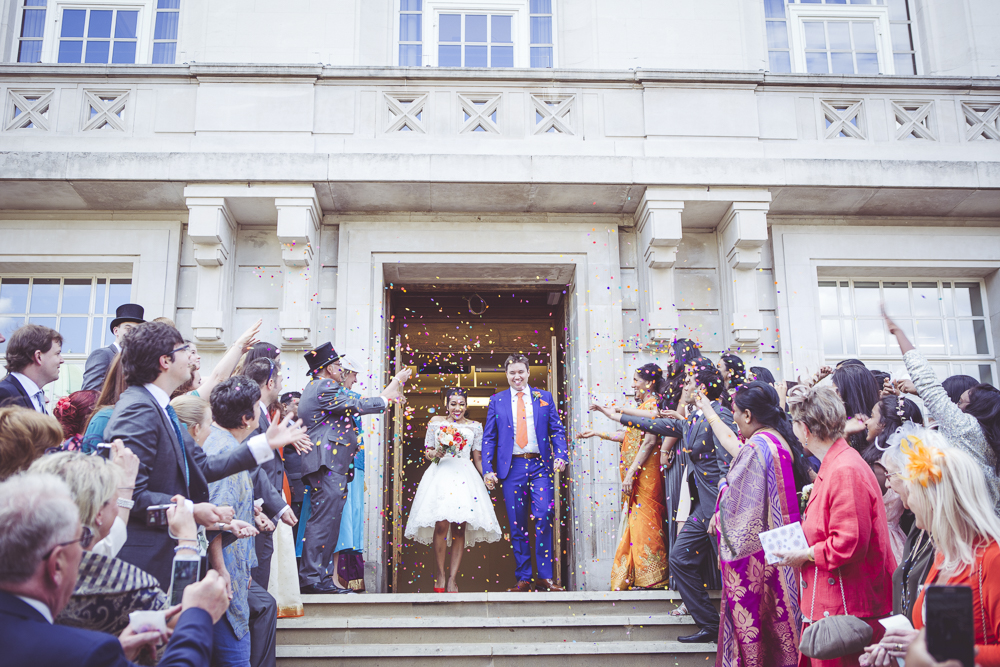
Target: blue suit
x,y
27,639
527,484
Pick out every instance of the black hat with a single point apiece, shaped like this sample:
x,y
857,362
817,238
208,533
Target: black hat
x,y
320,358
289,396
128,312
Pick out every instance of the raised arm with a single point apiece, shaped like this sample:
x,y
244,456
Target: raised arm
x,y
224,369
723,432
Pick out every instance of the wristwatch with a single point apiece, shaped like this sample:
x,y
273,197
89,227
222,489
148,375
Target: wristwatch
x,y
127,504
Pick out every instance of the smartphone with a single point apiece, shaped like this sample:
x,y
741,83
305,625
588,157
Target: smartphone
x,y
185,573
156,515
950,632
103,450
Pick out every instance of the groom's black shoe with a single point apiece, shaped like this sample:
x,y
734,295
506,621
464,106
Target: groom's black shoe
x,y
522,587
325,588
548,585
703,636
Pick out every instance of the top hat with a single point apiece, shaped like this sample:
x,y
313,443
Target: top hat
x,y
128,312
320,358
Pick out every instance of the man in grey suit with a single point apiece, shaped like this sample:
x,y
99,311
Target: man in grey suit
x,y
706,462
127,317
156,361
327,410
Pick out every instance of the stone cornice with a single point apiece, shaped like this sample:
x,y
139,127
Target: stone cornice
x,y
525,77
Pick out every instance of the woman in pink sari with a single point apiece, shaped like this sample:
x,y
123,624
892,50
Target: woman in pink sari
x,y
760,619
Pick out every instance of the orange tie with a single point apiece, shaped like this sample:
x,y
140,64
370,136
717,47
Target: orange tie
x,y
521,436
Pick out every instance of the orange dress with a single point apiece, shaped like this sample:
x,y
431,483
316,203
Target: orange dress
x,y
986,599
641,557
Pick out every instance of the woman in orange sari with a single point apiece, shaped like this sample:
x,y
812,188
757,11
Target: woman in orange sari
x,y
641,557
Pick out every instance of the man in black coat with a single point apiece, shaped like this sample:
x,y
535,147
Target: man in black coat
x,y
127,317
156,361
34,355
706,462
328,410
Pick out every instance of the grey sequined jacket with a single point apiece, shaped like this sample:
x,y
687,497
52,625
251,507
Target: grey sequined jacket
x,y
961,430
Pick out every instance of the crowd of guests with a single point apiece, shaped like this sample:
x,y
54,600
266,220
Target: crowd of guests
x,y
138,516
890,498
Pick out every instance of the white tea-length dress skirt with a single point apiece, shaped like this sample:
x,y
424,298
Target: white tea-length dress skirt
x,y
452,490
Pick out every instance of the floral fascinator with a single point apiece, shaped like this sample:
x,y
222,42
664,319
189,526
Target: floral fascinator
x,y
921,466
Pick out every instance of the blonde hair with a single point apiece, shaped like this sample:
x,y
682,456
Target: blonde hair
x,y
165,320
191,410
820,409
24,436
92,480
961,515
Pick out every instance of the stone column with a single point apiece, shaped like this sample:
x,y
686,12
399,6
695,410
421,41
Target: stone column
x,y
658,227
742,233
212,229
298,233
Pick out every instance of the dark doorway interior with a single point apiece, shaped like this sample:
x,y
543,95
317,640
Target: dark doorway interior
x,y
461,339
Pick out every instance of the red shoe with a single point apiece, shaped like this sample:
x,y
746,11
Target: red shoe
x,y
438,590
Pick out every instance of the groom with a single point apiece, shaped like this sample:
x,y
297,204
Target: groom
x,y
522,429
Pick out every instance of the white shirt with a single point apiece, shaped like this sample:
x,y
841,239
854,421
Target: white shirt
x,y
262,452
38,606
113,543
31,389
114,345
529,413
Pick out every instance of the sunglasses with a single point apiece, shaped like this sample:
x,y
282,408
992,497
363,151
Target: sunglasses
x,y
86,537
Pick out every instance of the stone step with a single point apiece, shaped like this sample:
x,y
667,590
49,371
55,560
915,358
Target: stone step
x,y
605,603
549,654
441,629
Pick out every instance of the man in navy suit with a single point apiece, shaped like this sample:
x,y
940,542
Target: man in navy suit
x,y
41,543
34,355
524,441
127,317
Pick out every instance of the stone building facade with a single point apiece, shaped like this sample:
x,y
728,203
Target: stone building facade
x,y
754,174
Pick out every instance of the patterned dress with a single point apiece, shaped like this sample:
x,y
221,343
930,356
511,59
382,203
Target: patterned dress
x,y
760,617
641,557
240,557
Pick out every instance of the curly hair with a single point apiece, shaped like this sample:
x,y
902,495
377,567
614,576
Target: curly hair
x,y
73,411
142,349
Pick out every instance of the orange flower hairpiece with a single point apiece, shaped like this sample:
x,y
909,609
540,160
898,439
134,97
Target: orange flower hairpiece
x,y
920,466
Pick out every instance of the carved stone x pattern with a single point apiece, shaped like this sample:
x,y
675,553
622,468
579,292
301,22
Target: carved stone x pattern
x,y
28,109
104,109
844,119
913,120
982,120
553,113
480,111
404,112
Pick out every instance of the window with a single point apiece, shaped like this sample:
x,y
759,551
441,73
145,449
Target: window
x,y
475,40
468,33
541,33
945,320
81,309
29,48
165,32
98,35
840,37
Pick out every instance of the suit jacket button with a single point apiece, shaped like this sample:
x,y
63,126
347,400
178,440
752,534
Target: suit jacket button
x,y
831,581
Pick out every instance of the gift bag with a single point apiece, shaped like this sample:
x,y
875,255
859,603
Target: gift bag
x,y
284,583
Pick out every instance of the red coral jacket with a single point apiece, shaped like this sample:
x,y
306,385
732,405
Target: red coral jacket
x,y
846,526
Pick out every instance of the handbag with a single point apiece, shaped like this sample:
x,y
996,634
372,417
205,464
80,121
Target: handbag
x,y
834,637
284,582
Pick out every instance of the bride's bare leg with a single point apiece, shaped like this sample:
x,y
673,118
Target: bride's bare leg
x,y
440,551
457,547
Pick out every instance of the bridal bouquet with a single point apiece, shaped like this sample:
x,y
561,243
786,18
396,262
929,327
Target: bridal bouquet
x,y
452,440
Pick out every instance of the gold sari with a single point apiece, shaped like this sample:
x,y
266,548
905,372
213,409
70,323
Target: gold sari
x,y
641,557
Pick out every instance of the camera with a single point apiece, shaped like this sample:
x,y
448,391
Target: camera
x,y
103,450
156,515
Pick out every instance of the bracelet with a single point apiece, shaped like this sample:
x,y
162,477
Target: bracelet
x,y
126,488
188,547
127,504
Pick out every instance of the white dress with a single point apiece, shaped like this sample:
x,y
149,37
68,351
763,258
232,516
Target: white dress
x,y
452,490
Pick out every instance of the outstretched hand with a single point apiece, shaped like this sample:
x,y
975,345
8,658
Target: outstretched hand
x,y
288,432
603,409
894,329
249,337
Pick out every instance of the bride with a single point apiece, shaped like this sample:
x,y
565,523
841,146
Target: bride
x,y
452,505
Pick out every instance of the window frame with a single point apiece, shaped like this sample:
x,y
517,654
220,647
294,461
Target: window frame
x,y
155,11
53,19
520,27
798,13
894,358
91,313
18,23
